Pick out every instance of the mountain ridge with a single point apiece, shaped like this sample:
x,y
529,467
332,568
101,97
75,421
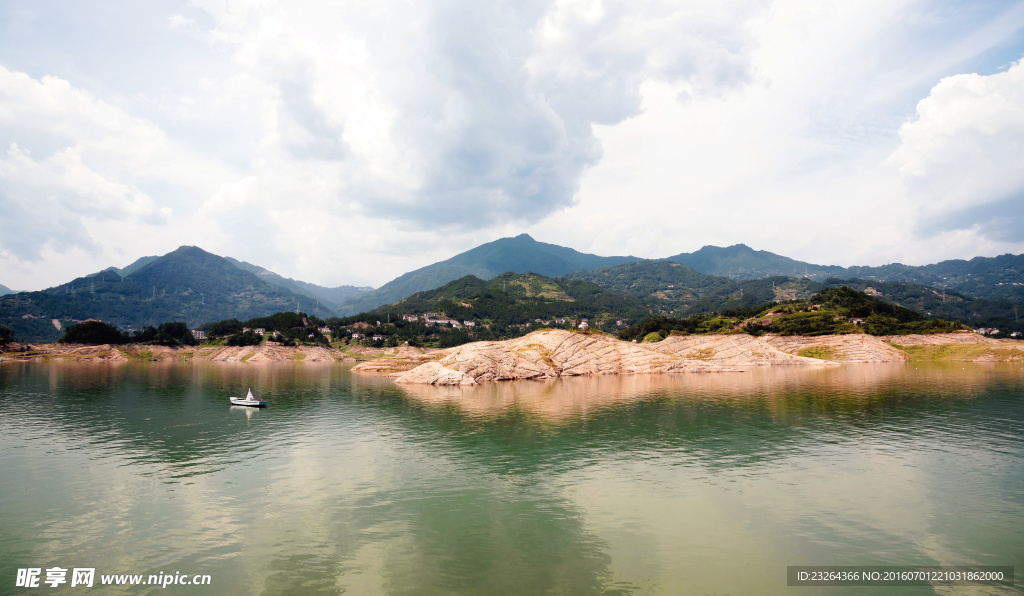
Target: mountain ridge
x,y
993,278
187,284
519,254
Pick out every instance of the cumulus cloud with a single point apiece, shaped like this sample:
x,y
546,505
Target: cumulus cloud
x,y
351,142
469,112
47,203
962,158
74,159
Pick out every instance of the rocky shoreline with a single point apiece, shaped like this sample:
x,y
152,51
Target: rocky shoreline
x,y
556,353
552,354
253,354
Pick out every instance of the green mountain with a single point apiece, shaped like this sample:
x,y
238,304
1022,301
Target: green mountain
x,y
188,284
4,290
521,254
676,289
994,278
1004,315
509,305
330,296
739,262
517,298
837,310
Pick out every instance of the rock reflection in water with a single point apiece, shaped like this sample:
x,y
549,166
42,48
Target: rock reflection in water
x,y
570,397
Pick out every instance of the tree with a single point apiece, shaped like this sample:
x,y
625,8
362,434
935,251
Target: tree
x,y
93,332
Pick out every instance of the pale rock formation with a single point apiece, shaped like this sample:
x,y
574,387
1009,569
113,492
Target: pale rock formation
x,y
558,353
854,347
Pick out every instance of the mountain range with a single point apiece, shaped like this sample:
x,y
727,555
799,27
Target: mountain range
x,y
197,287
521,254
993,278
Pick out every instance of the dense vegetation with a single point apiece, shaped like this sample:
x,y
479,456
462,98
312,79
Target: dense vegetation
x,y
98,332
509,305
672,288
6,335
1004,315
93,332
832,311
287,328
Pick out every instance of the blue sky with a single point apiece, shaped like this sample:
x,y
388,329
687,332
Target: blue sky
x,y
350,144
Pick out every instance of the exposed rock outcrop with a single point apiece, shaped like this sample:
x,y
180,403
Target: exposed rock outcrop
x,y
551,354
841,348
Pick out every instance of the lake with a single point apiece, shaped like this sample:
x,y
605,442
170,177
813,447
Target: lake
x,y
671,484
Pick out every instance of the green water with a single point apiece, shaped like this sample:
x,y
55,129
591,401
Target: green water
x,y
681,484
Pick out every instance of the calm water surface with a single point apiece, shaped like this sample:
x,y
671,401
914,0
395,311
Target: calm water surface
x,y
682,484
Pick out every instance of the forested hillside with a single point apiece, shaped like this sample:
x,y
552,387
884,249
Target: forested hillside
x,y
521,254
188,285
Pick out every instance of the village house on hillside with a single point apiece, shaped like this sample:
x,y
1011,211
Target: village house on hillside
x,y
411,318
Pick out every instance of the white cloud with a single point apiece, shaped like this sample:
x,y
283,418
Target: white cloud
x,y
178,20
45,203
796,162
352,142
962,158
479,113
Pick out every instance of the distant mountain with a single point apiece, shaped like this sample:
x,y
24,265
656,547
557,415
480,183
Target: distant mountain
x,y
739,262
521,254
188,284
516,299
663,285
4,290
674,288
993,278
330,296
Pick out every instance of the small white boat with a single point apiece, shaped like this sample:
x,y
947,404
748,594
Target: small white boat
x,y
248,400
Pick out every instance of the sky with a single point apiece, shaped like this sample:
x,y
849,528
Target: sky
x,y
348,143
